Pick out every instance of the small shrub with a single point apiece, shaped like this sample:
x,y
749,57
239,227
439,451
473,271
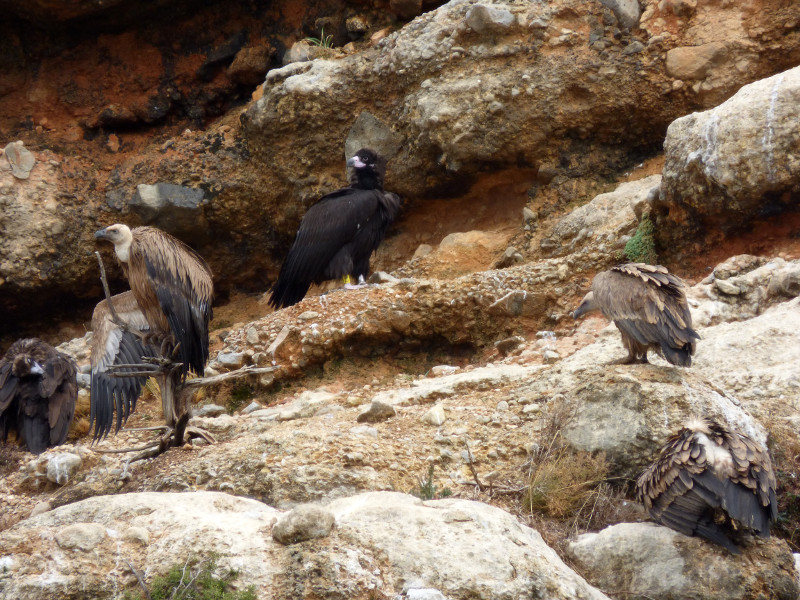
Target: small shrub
x,y
323,41
427,489
195,580
642,246
241,394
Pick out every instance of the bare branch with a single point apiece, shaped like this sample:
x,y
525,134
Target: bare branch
x,y
241,372
103,279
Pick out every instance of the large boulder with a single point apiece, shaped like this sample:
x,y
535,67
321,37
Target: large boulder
x,y
651,562
88,549
734,163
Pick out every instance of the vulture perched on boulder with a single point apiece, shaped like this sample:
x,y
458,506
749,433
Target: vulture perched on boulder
x,y
172,286
648,306
339,233
38,390
116,344
711,482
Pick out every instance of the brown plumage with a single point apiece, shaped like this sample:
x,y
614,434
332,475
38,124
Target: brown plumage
x,y
711,481
648,306
38,390
115,345
172,285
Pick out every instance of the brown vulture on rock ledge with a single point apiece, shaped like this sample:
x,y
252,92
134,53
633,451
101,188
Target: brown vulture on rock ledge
x,y
172,285
648,306
113,344
711,482
38,390
339,233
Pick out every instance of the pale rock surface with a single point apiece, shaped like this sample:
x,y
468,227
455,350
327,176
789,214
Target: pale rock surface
x,y
382,541
302,523
611,216
735,161
62,466
651,562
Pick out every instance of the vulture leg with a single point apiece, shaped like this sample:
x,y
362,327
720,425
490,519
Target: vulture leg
x,y
354,286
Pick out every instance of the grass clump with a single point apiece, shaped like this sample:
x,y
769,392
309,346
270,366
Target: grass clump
x,y
642,246
240,395
194,580
323,41
427,489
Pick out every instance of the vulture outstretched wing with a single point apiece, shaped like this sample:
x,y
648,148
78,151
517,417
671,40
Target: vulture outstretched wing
x,y
113,345
649,305
707,477
336,238
38,394
174,288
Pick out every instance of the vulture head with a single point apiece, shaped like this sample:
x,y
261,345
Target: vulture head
x,y
120,235
369,169
586,305
25,366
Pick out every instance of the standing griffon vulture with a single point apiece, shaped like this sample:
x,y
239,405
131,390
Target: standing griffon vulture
x,y
648,306
115,344
38,390
339,233
711,481
172,286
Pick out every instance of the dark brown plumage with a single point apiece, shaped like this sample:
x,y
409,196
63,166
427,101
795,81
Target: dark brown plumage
x,y
172,285
648,306
339,233
711,481
38,390
115,345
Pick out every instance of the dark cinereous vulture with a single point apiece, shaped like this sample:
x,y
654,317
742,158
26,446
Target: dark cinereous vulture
x,y
648,306
114,345
38,390
339,233
711,481
172,285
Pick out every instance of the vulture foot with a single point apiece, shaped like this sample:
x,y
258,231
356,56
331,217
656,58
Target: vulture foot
x,y
630,360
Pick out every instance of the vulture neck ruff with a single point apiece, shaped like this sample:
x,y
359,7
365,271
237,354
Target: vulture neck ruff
x,y
123,247
717,457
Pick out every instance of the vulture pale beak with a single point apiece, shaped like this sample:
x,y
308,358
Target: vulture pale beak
x,y
100,234
36,369
355,162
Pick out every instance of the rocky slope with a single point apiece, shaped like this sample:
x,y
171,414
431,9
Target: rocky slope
x,y
449,430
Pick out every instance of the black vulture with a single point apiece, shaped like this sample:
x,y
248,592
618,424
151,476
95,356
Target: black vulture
x,y
648,306
339,233
38,390
713,482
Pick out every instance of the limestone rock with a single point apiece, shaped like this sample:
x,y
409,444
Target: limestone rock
x,y
20,158
376,412
62,466
435,416
626,11
653,562
81,536
302,523
734,162
694,62
489,19
176,209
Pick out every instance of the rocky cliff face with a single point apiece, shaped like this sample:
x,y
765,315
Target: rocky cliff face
x,y
526,140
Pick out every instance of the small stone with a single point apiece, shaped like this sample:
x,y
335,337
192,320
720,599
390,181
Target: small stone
x,y
435,416
424,594
440,370
502,405
364,430
633,48
209,410
251,335
550,356
41,507
61,467
726,287
304,522
20,159
507,345
137,534
489,19
253,406
376,412
308,315
209,372
231,360
422,250
528,216
381,277
81,536
467,457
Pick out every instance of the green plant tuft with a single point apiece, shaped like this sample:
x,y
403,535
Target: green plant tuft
x,y
642,246
323,41
427,489
195,580
241,394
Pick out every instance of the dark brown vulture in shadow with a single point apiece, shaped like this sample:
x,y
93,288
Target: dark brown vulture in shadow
x,y
38,390
339,233
648,306
172,285
113,344
711,482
